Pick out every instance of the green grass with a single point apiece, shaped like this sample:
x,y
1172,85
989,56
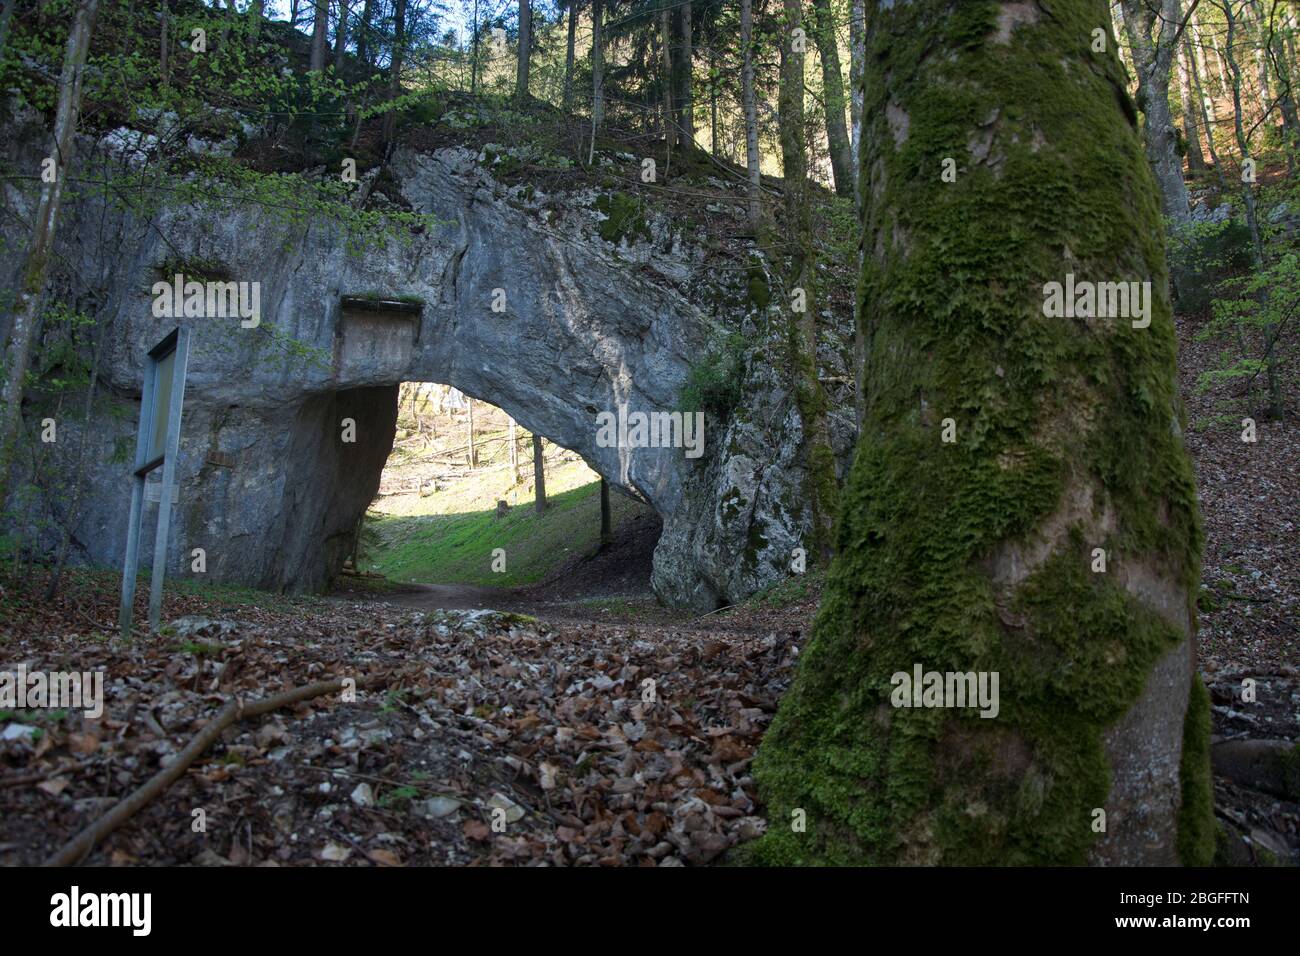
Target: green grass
x,y
457,548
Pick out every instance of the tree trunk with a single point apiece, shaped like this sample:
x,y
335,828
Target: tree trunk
x,y
1152,60
1285,94
837,134
670,120
686,85
857,55
1195,158
319,35
31,294
525,49
976,555
597,73
567,101
1252,215
363,33
341,36
164,43
1208,118
469,408
6,14
254,22
539,476
514,454
395,68
821,489
713,102
606,520
1261,55
751,111
473,55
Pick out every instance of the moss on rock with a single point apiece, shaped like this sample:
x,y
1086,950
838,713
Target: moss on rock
x,y
625,218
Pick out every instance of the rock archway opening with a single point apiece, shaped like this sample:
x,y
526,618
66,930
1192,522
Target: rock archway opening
x,y
457,512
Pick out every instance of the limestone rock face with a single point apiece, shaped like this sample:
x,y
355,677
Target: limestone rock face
x,y
269,486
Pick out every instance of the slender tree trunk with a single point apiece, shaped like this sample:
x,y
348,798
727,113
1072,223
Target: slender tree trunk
x,y
1286,100
31,294
670,119
810,397
750,106
319,35
395,68
1252,215
857,69
363,34
1195,158
514,454
606,519
1152,60
164,43
539,475
473,56
597,73
1243,144
686,72
525,49
469,419
567,101
341,36
1224,85
857,54
837,134
1261,55
1208,117
713,102
6,14
967,546
254,22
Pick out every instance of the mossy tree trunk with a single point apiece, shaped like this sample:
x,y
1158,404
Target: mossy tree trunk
x,y
16,357
749,105
797,247
566,100
977,555
525,50
597,74
837,131
686,78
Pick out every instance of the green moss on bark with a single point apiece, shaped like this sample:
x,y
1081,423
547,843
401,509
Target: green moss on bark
x,y
1196,824
1068,440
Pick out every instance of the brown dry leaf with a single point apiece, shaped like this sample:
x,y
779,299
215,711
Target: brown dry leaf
x,y
53,786
83,743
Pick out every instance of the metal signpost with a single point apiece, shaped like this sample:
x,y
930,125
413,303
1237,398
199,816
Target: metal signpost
x,y
156,444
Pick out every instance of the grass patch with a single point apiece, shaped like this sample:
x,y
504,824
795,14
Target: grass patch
x,y
457,548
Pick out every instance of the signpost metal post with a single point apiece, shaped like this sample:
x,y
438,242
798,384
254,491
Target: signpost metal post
x,y
156,444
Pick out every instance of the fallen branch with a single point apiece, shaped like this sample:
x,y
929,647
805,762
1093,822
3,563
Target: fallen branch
x,y
75,850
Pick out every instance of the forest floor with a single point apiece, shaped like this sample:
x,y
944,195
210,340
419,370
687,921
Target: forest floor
x,y
582,721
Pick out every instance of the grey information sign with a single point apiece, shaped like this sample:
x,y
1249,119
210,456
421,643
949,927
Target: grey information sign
x,y
156,445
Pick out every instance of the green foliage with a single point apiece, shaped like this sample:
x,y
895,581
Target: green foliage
x,y
1203,254
1256,310
715,383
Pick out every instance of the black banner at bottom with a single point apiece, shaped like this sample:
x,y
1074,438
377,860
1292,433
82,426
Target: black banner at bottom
x,y
334,906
